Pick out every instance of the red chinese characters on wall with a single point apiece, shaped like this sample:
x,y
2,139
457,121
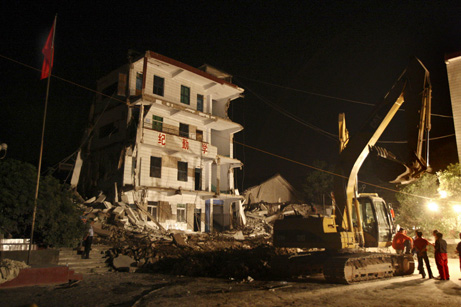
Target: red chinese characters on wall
x,y
185,144
162,139
204,148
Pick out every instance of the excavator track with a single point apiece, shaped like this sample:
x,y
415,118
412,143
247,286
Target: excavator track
x,y
353,268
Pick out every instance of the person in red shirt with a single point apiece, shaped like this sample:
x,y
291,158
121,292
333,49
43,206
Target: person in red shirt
x,y
441,258
420,246
402,242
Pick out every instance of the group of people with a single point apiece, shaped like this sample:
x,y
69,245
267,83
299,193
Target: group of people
x,y
402,243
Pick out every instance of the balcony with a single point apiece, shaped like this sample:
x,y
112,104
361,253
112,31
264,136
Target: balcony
x,y
172,142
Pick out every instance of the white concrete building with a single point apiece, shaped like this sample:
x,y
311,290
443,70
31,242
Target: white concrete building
x,y
453,62
161,138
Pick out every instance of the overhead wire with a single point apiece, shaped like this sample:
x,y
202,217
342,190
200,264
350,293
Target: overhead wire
x,y
292,116
327,96
236,142
318,129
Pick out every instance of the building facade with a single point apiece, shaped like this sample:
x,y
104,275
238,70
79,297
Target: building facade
x,y
453,62
160,138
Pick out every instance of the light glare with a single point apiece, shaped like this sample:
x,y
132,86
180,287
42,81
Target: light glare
x,y
443,194
457,208
433,206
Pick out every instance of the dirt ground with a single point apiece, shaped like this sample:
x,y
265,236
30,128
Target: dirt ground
x,y
136,289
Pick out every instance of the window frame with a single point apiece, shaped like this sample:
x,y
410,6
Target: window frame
x,y
182,174
201,104
152,208
155,171
139,81
185,94
159,89
181,216
157,123
182,132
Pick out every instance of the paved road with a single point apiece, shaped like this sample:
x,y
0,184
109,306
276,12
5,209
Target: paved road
x,y
125,289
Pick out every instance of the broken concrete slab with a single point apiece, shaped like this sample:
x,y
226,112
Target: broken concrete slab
x,y
90,200
178,239
107,204
118,211
101,198
123,263
9,269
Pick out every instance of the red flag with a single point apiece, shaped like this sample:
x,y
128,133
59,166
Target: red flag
x,y
48,52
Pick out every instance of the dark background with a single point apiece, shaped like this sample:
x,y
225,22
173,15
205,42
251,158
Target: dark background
x,y
348,51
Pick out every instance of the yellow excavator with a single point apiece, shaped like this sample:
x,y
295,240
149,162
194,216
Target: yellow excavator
x,y
352,244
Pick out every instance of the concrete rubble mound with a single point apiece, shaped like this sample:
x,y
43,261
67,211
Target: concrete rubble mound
x,y
9,269
139,243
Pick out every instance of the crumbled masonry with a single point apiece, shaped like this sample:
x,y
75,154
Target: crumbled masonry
x,y
138,243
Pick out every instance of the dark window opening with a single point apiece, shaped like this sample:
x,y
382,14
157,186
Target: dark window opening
x,y
139,83
155,167
200,102
182,171
198,179
157,123
183,130
185,94
159,83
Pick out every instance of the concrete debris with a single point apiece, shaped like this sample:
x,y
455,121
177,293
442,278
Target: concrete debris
x,y
179,239
139,242
123,263
9,269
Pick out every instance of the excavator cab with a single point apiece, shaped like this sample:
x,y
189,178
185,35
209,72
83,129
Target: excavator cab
x,y
377,222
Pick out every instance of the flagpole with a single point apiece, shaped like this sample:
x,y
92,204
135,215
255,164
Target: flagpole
x,y
41,145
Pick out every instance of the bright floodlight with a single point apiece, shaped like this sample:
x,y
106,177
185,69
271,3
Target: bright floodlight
x,y
443,194
433,206
457,208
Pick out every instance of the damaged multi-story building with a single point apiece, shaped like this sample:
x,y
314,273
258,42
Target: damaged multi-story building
x,y
160,137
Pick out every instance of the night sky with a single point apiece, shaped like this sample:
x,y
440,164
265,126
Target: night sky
x,y
334,53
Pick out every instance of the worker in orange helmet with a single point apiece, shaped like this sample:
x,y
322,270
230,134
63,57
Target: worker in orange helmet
x,y
402,243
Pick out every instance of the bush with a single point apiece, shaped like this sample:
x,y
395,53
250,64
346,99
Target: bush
x,y
57,220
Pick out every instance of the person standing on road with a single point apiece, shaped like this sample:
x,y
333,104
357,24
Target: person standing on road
x,y
441,258
420,246
458,251
402,242
88,240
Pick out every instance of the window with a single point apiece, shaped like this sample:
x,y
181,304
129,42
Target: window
x,y
138,83
185,94
183,130
159,83
155,167
199,135
181,213
199,102
152,208
157,123
182,171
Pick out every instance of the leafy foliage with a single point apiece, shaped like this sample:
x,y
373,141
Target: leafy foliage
x,y
318,184
414,212
57,220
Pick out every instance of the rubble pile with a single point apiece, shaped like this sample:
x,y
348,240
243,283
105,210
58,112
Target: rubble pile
x,y
138,243
9,269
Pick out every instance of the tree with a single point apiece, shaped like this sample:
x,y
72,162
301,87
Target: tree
x,y
318,185
415,197
58,216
